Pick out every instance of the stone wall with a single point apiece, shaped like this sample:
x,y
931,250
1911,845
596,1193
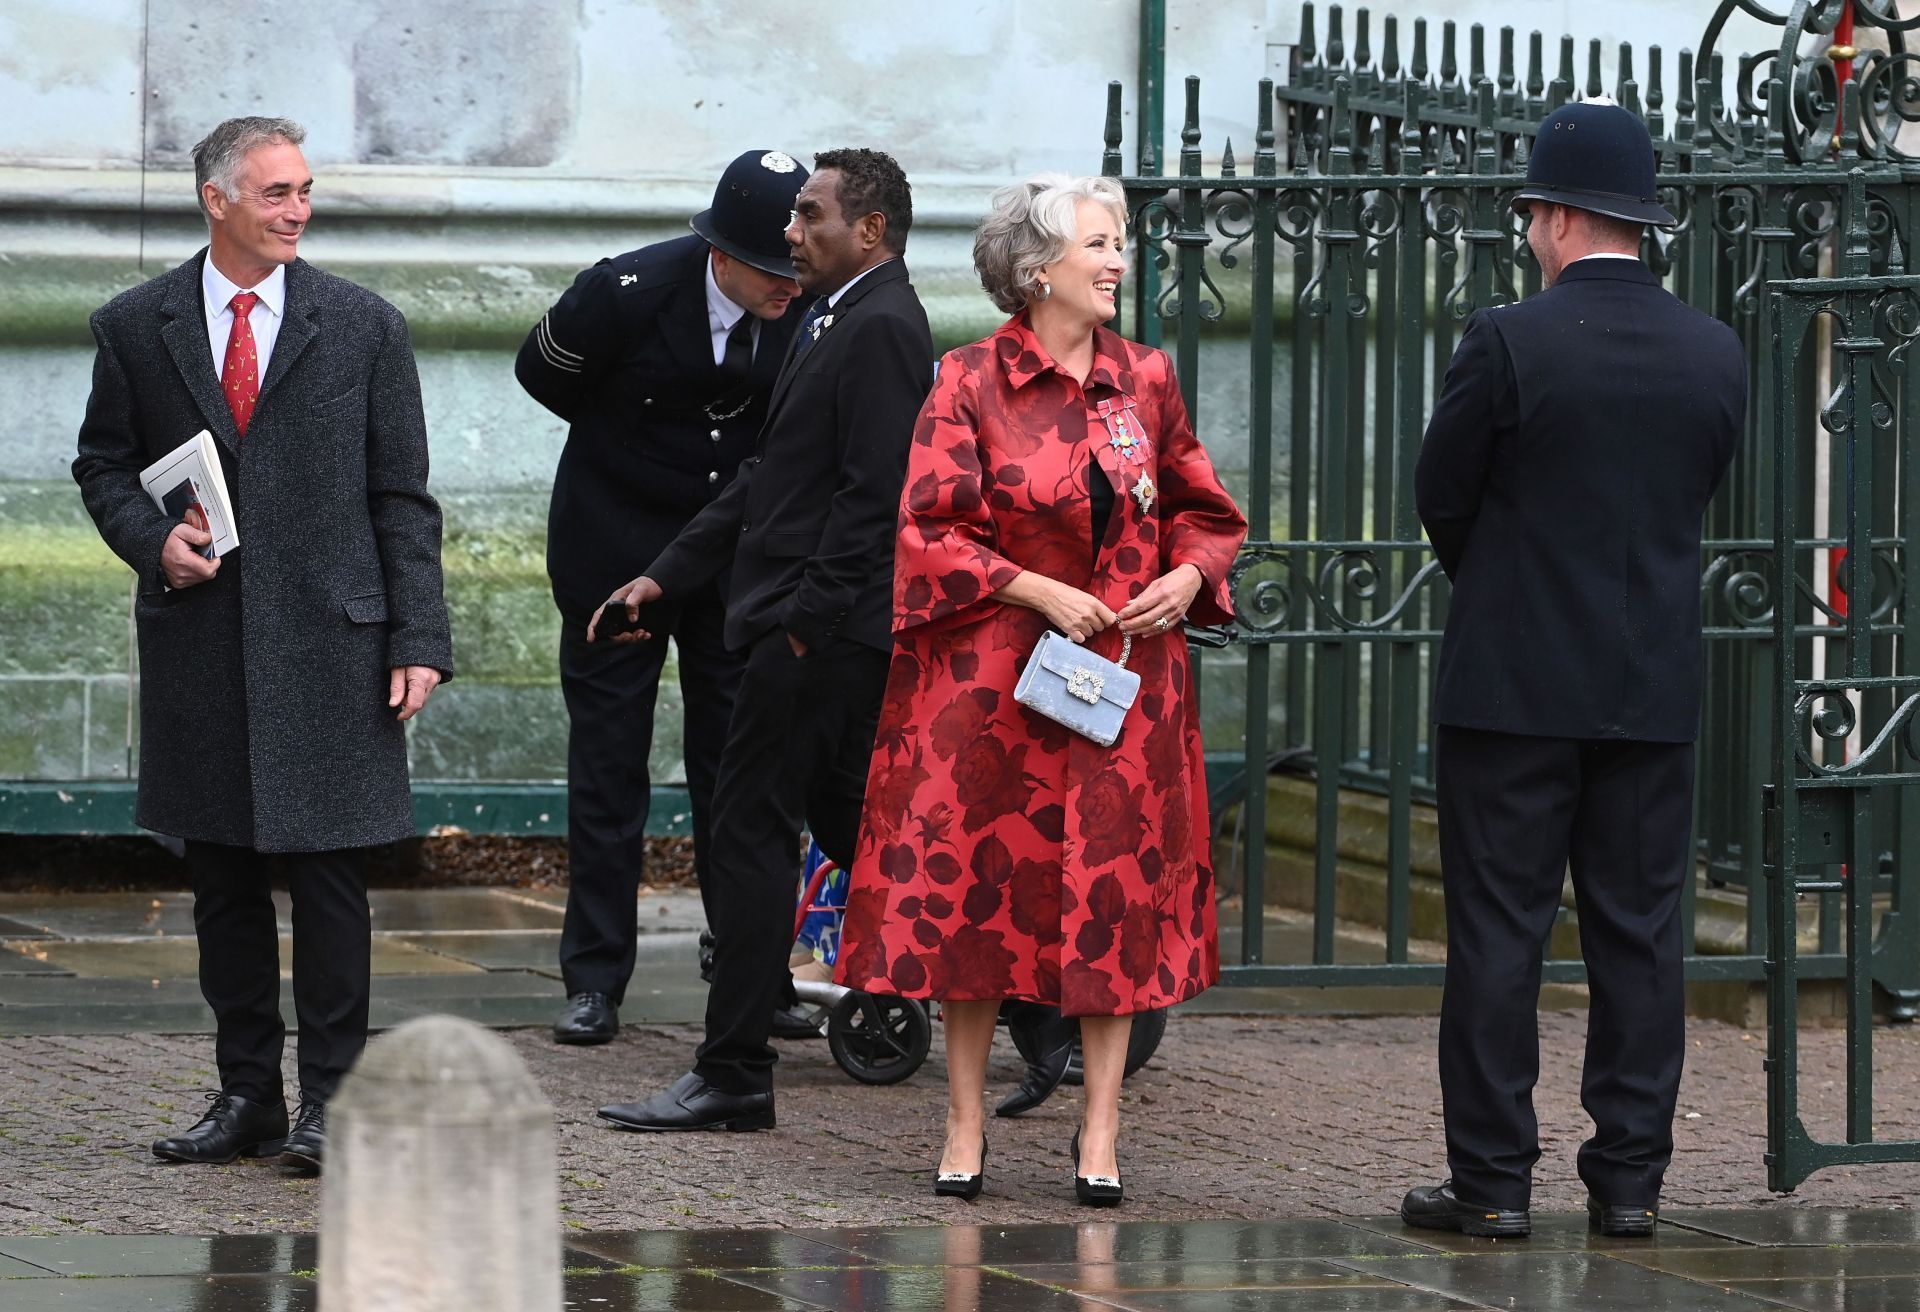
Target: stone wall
x,y
470,156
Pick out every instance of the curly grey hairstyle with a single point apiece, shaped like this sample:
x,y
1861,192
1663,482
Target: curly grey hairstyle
x,y
1029,226
218,156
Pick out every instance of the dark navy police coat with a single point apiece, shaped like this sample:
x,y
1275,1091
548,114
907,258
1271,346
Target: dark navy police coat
x,y
1562,481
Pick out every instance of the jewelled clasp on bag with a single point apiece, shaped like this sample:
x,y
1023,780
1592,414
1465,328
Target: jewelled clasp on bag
x,y
1086,685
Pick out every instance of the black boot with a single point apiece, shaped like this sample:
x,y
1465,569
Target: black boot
x,y
1050,1038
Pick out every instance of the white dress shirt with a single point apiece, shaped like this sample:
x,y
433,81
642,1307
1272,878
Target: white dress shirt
x,y
218,291
722,315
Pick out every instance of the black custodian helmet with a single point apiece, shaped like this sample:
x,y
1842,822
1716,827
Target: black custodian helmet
x,y
751,209
1595,157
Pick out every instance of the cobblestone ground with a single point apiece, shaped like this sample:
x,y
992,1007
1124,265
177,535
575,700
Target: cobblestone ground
x,y
1270,1117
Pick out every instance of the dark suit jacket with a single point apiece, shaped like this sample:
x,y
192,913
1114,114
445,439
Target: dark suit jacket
x,y
626,358
809,523
263,693
1562,482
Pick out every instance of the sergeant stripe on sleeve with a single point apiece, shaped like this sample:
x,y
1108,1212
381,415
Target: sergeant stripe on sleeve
x,y
556,355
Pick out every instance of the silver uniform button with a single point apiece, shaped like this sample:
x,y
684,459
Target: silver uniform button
x,y
715,435
646,401
713,476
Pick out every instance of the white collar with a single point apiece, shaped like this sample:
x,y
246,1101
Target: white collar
x,y
846,287
1609,255
219,290
722,313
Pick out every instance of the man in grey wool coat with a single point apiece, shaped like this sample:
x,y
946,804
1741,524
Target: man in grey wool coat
x,y
274,680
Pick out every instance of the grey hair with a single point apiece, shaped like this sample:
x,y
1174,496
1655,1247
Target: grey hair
x,y
218,156
1029,226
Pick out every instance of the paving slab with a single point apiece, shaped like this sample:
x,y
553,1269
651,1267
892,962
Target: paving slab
x,y
1900,1294
1089,1267
179,958
104,915
1804,1225
1518,1278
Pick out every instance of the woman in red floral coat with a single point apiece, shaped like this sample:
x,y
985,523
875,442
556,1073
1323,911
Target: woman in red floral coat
x,y
1054,482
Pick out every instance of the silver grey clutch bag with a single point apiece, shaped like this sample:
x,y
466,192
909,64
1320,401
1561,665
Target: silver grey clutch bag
x,y
1089,694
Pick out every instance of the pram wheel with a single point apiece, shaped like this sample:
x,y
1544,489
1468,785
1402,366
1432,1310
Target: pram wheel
x,y
1149,1027
878,1038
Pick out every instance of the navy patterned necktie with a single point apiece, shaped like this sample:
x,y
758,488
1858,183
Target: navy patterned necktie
x,y
809,328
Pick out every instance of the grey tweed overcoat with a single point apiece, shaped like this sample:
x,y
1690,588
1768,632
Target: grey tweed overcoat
x,y
263,693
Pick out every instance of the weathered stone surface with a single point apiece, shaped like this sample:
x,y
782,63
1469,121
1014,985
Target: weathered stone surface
x,y
440,1193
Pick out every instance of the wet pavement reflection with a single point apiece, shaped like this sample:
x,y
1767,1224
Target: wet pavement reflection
x,y
1811,1258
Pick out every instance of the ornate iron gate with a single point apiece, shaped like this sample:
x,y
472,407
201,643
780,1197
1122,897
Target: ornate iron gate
x,y
1845,754
1372,222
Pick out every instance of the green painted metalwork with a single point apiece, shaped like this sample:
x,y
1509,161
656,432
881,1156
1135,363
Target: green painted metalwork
x,y
1844,752
1368,232
527,809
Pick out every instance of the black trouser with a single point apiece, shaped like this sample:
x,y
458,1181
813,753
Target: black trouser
x,y
797,755
233,920
610,689
1515,813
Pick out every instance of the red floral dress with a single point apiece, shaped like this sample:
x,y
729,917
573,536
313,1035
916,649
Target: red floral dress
x,y
1002,855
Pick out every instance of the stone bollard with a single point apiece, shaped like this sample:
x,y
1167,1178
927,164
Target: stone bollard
x,y
440,1192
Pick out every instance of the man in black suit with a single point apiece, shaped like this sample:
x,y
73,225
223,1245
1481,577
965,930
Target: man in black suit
x,y
809,527
661,360
1570,458
275,680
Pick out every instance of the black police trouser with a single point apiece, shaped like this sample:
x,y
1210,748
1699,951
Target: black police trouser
x,y
239,939
1516,813
797,755
610,688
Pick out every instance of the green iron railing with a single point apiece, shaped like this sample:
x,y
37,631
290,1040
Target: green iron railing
x,y
1373,221
1845,756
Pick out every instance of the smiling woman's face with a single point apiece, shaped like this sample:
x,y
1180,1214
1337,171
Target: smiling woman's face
x,y
1086,280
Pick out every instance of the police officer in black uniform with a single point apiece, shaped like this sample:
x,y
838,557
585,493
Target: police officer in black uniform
x,y
661,360
1570,458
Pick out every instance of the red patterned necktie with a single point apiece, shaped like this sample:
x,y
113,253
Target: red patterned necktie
x,y
240,375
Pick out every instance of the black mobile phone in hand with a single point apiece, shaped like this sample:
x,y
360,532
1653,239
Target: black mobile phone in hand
x,y
614,621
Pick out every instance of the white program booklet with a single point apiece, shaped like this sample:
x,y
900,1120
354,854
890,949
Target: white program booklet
x,y
187,484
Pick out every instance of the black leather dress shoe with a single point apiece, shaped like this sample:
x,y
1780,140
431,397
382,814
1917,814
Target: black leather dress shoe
x,y
1052,1038
796,1022
693,1104
234,1126
588,1018
308,1141
1434,1207
1619,1220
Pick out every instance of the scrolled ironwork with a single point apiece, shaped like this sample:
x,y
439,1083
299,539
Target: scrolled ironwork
x,y
1830,715
1279,588
1744,582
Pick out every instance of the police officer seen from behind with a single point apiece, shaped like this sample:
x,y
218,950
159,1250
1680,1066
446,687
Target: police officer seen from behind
x,y
661,360
1566,469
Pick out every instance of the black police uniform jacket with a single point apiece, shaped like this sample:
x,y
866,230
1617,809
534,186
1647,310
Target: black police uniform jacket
x,y
810,521
626,358
1570,458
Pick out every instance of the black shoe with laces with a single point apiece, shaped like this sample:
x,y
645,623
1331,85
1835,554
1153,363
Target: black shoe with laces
x,y
588,1018
1437,1207
235,1125
308,1141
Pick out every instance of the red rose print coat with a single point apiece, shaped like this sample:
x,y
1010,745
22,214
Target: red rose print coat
x,y
1003,855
